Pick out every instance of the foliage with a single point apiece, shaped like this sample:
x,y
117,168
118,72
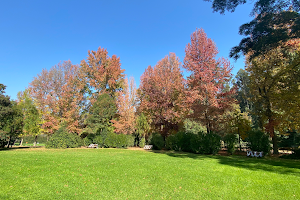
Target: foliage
x,y
258,141
100,115
126,107
141,126
203,143
267,31
162,95
230,141
157,141
62,138
142,142
32,118
58,96
193,126
274,88
208,80
101,74
5,106
260,6
290,139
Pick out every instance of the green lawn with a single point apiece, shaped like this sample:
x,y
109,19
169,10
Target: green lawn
x,y
38,173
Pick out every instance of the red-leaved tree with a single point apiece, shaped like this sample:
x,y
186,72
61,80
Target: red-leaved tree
x,y
162,95
208,79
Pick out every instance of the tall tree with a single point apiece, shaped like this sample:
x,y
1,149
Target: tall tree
x,y
58,95
126,105
274,84
31,116
162,95
208,80
102,74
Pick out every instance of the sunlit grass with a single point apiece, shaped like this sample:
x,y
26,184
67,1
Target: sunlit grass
x,y
38,173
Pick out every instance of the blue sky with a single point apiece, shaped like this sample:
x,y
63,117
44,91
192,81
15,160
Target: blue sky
x,y
39,34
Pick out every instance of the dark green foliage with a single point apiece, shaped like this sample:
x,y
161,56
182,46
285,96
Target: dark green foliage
x,y
108,139
260,6
294,155
42,139
63,139
157,141
100,114
291,140
230,142
196,143
211,143
267,31
258,141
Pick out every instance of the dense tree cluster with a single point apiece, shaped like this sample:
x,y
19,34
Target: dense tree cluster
x,y
94,101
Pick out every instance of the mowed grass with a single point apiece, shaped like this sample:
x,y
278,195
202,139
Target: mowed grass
x,y
39,173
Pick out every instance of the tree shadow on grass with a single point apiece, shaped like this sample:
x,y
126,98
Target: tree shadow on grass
x,y
13,148
275,165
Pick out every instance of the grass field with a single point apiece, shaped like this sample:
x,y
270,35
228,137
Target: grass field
x,y
39,173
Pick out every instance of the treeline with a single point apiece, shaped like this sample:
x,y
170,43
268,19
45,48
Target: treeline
x,y
95,101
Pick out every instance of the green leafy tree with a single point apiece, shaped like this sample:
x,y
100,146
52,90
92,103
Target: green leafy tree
x,y
274,84
32,117
100,115
142,127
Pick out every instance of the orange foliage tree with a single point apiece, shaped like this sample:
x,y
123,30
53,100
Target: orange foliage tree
x,y
162,95
58,96
126,106
208,80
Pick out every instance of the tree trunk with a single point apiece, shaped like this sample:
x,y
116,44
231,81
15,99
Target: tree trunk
x,y
21,143
275,144
8,142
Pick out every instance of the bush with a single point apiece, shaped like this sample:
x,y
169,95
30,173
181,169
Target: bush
x,y
258,141
142,142
63,139
181,141
210,143
230,141
157,141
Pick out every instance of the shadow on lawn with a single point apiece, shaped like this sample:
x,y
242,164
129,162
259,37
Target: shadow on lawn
x,y
17,147
276,165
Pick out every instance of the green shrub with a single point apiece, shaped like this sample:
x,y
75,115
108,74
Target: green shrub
x,y
142,142
63,139
230,141
88,139
157,141
210,143
258,141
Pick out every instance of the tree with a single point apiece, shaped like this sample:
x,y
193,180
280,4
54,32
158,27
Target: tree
x,y
14,123
275,22
101,114
102,74
267,31
260,6
162,95
32,118
208,80
126,106
58,95
274,84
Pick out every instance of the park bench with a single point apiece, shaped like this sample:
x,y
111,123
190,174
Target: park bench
x,y
255,153
148,147
93,146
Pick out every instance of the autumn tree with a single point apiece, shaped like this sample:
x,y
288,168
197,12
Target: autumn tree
x,y
31,117
126,106
102,74
162,95
274,84
58,95
208,80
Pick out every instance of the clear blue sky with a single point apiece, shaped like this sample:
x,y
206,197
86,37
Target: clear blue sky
x,y
39,34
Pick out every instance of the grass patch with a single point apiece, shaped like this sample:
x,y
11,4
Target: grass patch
x,y
39,173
